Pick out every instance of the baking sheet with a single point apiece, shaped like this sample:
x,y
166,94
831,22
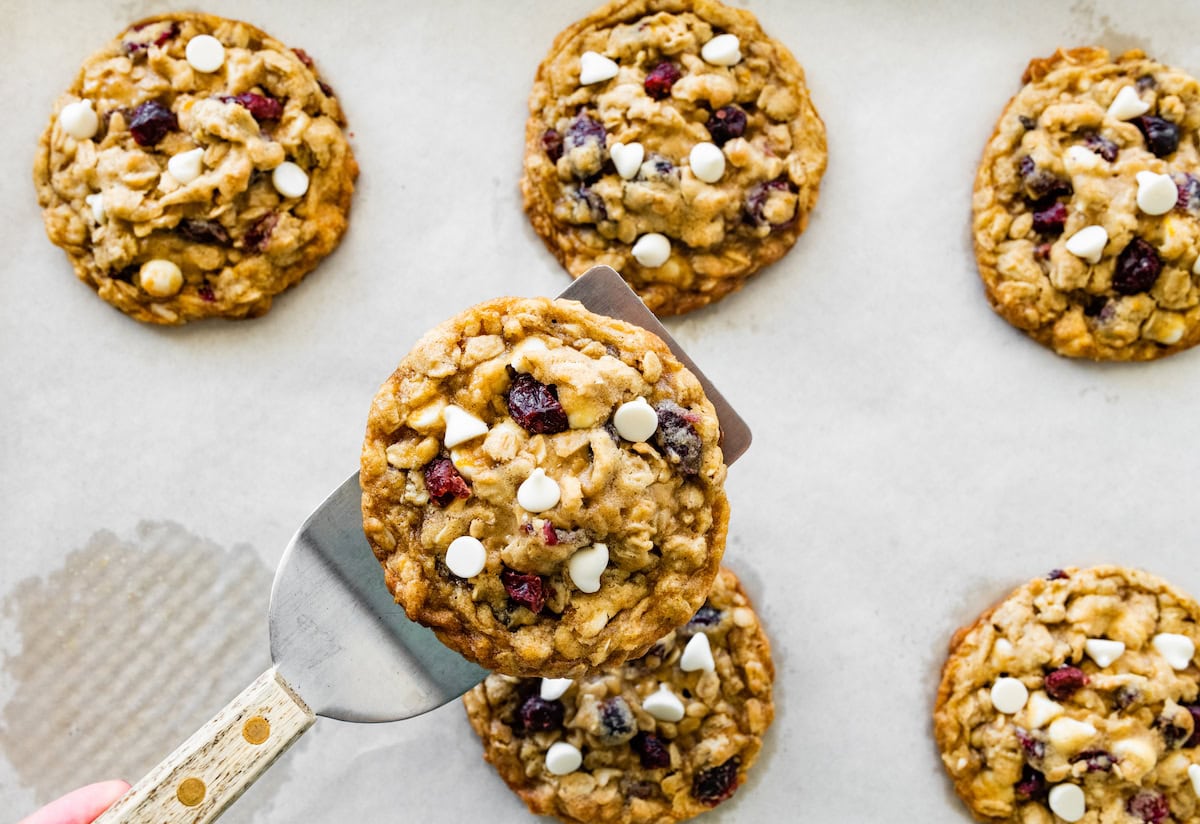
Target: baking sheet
x,y
914,457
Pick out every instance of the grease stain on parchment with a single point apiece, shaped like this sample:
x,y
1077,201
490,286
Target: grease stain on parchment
x,y
125,651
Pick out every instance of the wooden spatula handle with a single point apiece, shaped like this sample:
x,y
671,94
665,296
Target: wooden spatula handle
x,y
211,769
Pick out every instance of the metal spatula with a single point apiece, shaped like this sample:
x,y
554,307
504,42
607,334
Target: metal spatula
x,y
341,646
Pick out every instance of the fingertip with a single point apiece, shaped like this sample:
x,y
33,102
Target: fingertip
x,y
80,806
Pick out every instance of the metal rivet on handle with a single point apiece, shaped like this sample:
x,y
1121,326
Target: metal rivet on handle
x,y
191,792
256,730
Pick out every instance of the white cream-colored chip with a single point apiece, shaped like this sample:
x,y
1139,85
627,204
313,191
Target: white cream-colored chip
x,y
722,50
697,655
636,420
466,556
461,426
1127,105
1009,695
96,203
289,179
627,157
596,68
1040,710
563,758
1156,194
1067,802
664,704
1103,651
538,492
1068,735
707,162
186,166
553,689
1177,649
205,53
1088,243
586,566
79,120
161,278
652,250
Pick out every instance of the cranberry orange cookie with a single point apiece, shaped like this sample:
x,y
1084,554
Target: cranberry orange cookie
x,y
544,487
1076,697
196,168
1087,207
659,739
674,141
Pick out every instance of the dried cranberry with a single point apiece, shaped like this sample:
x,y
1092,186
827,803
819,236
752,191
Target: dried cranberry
x,y
539,715
1194,709
203,231
595,203
525,588
1063,682
617,724
1040,184
259,235
535,406
713,785
1032,786
261,107
1050,220
652,750
206,293
705,618
1027,122
1035,749
304,58
150,123
1056,575
325,87
1042,251
661,78
549,534
169,34
1189,192
1101,146
584,129
1126,695
1149,807
552,143
1138,266
1162,136
1146,81
1173,735
636,788
659,169
1096,760
443,482
725,124
677,438
757,197
1093,306
125,275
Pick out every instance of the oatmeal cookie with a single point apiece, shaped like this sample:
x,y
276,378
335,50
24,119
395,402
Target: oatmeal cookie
x,y
544,487
196,168
674,141
659,739
1076,697
1087,207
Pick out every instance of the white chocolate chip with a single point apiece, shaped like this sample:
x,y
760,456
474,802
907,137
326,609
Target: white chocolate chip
x,y
537,493
1127,105
1196,266
652,250
1066,802
1040,710
289,179
1088,243
595,68
1194,774
1135,757
186,166
205,53
96,202
1081,159
79,120
1068,735
1009,695
586,566
563,758
466,556
636,420
1003,648
553,689
461,426
627,157
1157,194
1103,651
1177,649
697,655
161,278
664,704
428,416
722,50
707,162
518,360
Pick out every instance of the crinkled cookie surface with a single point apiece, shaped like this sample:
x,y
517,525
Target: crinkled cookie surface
x,y
645,756
1076,699
612,173
182,193
1078,239
578,540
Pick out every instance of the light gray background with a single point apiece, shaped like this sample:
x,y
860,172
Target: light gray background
x,y
914,458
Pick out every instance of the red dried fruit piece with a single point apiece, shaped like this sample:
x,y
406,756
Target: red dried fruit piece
x,y
1138,267
1063,682
652,750
206,293
525,588
552,143
535,406
617,724
661,78
259,235
1034,749
203,231
1096,760
1149,807
539,715
169,34
1050,220
549,534
677,438
443,482
1032,786
304,58
756,202
150,123
1040,184
1101,146
725,124
1056,575
1162,136
713,785
261,107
